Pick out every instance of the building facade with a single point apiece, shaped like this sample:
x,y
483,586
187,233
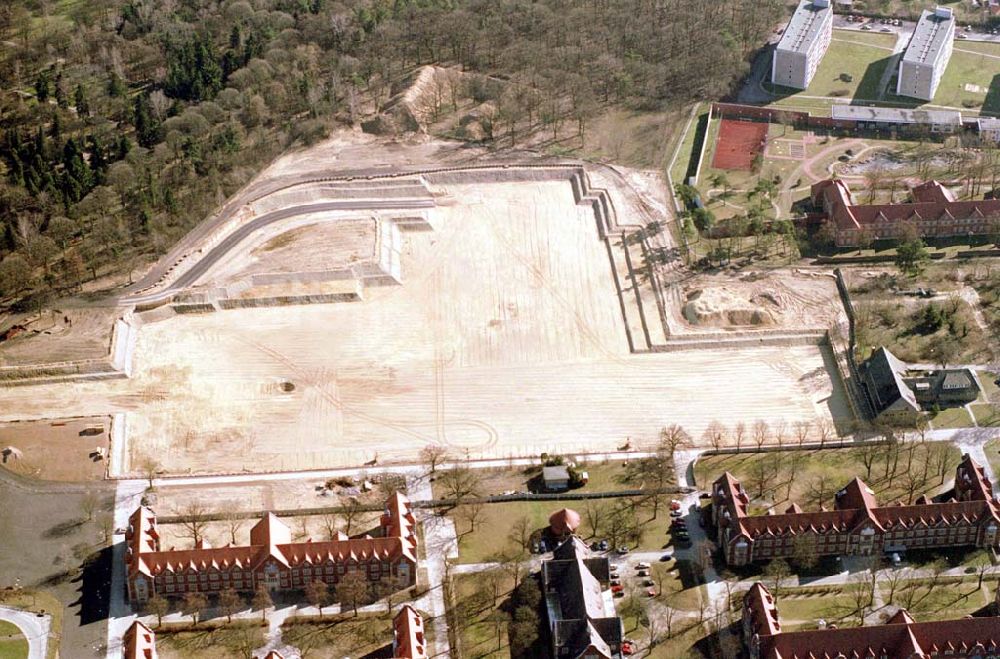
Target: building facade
x,y
899,638
271,560
408,638
858,525
802,46
926,57
933,213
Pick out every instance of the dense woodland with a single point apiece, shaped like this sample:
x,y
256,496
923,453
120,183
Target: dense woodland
x,y
122,124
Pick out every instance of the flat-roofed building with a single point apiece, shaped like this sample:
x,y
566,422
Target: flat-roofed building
x,y
926,57
802,46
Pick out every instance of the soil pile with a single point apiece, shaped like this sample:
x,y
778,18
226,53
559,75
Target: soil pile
x,y
715,307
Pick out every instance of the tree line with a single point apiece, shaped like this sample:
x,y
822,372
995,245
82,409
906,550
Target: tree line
x,y
125,123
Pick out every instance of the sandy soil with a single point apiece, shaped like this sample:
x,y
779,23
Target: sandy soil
x,y
507,338
57,450
758,300
50,338
317,247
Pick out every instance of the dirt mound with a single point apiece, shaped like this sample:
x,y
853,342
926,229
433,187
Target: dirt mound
x,y
416,102
716,307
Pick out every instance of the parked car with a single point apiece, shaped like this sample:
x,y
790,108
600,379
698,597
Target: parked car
x,y
666,557
643,573
675,504
616,582
617,589
961,36
678,523
649,583
603,545
676,513
620,593
866,27
682,535
650,592
643,565
628,648
622,550
885,29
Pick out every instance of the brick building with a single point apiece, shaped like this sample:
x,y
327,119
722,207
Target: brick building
x,y
858,525
934,212
899,638
139,642
271,560
408,638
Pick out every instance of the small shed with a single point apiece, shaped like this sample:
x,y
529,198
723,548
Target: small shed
x,y
555,478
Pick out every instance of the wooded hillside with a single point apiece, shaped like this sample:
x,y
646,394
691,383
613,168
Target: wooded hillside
x,y
122,124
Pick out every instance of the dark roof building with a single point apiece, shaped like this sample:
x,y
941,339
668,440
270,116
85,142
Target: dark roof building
x,y
580,609
858,525
900,638
897,393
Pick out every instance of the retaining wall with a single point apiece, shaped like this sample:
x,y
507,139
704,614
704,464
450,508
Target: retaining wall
x,y
116,363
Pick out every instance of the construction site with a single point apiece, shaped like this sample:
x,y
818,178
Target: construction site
x,y
333,318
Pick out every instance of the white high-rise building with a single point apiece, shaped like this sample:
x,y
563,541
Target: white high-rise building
x,y
926,57
803,44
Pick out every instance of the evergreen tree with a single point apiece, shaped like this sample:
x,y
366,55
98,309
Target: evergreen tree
x,y
80,101
42,87
147,126
116,86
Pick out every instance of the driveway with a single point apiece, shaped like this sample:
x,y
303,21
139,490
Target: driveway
x,y
34,627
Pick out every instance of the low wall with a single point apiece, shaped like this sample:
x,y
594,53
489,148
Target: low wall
x,y
709,342
116,363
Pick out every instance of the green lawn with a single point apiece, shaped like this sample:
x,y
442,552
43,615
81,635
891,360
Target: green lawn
x,y
39,602
952,600
687,152
803,611
478,634
497,519
862,56
987,414
210,642
768,477
13,644
339,636
953,417
982,70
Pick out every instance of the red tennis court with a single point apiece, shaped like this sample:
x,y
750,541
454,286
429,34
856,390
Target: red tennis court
x,y
739,143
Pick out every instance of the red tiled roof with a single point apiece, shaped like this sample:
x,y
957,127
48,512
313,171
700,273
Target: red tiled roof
x,y
409,641
139,642
899,637
271,538
763,613
564,521
932,201
970,478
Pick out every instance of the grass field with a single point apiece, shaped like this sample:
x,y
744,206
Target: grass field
x,y
13,644
230,641
39,602
339,636
769,478
862,56
976,64
498,518
953,417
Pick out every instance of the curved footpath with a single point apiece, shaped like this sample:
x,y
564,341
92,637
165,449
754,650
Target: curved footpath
x,y
33,626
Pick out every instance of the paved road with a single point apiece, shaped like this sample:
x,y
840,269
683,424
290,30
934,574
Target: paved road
x,y
35,628
202,266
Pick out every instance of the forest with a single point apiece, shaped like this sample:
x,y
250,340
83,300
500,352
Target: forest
x,y
123,124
